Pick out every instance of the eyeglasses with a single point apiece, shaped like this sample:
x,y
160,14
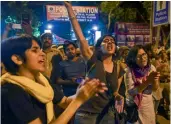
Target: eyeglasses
x,y
144,55
109,41
49,38
66,42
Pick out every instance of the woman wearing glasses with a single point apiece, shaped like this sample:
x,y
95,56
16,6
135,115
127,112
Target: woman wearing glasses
x,y
141,79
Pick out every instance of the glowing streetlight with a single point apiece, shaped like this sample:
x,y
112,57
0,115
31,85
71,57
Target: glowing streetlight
x,y
47,31
95,28
49,26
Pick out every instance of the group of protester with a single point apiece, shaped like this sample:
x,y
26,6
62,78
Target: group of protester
x,y
43,83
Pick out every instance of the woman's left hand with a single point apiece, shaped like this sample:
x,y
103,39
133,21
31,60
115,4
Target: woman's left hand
x,y
119,103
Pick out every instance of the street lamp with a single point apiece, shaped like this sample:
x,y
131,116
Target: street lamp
x,y
49,26
95,28
47,31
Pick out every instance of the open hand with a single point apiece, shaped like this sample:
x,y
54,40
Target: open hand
x,y
89,88
157,76
153,76
8,27
119,103
27,28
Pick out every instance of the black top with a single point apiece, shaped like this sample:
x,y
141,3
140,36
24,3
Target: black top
x,y
19,107
96,104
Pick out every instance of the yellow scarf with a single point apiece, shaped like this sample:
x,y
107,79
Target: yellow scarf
x,y
41,90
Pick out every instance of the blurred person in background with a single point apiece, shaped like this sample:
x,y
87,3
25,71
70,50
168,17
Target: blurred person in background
x,y
162,65
72,70
60,47
53,57
122,54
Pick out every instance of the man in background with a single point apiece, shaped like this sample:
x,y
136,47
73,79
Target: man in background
x,y
72,70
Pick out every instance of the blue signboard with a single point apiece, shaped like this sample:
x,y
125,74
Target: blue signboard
x,y
161,12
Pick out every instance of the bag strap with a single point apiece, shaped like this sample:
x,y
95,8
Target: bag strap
x,y
110,104
110,92
91,68
111,96
116,63
118,68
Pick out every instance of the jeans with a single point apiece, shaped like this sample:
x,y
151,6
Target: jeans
x,y
90,118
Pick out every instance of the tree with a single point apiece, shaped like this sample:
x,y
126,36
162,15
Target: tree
x,y
114,12
148,7
128,13
14,9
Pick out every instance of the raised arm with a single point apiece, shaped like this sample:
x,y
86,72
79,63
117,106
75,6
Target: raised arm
x,y
7,30
84,47
27,28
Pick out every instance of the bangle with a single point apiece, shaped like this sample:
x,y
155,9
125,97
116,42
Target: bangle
x,y
115,95
72,17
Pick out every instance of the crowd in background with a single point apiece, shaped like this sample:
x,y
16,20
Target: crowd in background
x,y
143,79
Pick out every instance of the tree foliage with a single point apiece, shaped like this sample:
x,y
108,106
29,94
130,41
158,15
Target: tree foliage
x,y
14,9
116,13
148,7
160,29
